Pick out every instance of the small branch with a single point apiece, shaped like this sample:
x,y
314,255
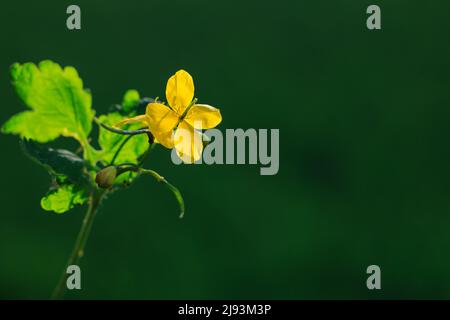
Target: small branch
x,y
146,153
124,142
172,188
119,131
159,178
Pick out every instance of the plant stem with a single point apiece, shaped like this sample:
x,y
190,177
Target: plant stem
x,y
119,131
139,170
171,187
87,151
78,249
124,142
146,153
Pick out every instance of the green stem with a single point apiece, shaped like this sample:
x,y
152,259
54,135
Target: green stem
x,y
172,188
124,142
139,170
78,249
119,131
88,154
146,153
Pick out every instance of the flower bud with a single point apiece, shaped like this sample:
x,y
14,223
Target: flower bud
x,y
105,177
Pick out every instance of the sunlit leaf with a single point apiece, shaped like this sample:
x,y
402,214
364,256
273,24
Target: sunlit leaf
x,y
130,101
110,142
58,104
63,198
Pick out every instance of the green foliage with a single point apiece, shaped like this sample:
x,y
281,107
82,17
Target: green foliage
x,y
58,162
120,148
63,198
130,100
59,104
110,142
70,175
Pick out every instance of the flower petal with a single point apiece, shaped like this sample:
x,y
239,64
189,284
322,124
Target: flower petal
x,y
141,118
188,143
180,91
161,122
203,116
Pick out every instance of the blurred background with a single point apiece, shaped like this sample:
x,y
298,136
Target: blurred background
x,y
364,155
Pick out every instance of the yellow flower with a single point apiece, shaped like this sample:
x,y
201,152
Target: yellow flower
x,y
175,125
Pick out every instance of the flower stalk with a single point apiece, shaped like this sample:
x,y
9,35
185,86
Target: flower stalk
x,y
120,131
139,170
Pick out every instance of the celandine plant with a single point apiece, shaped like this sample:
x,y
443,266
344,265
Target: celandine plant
x,y
60,106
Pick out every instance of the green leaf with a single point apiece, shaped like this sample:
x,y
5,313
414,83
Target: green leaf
x,y
69,172
58,162
59,106
63,199
110,142
130,100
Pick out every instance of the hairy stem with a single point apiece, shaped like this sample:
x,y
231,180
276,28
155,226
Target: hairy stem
x,y
80,243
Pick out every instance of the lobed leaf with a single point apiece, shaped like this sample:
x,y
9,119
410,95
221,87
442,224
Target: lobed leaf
x,y
59,106
58,162
63,198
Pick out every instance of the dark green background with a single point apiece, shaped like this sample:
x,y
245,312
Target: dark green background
x,y
364,154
